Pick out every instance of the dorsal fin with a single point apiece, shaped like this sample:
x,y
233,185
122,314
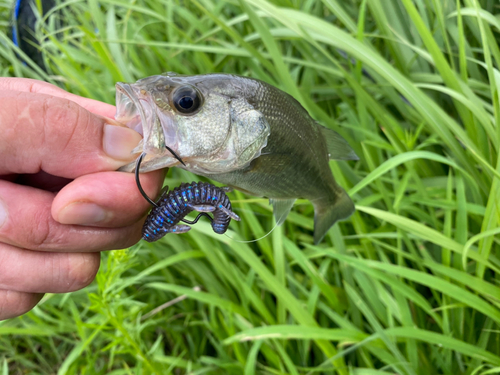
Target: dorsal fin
x,y
338,148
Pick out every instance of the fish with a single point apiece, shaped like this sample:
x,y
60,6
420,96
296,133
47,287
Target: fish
x,y
241,132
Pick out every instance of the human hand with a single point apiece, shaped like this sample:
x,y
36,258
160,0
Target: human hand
x,y
61,199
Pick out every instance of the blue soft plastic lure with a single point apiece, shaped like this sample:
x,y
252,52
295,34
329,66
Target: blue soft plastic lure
x,y
173,206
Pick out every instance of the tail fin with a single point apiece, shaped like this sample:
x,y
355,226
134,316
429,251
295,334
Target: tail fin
x,y
328,211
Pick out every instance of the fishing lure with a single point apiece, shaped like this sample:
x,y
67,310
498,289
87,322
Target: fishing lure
x,y
174,205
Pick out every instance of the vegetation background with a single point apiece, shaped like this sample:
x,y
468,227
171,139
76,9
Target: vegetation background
x,y
408,285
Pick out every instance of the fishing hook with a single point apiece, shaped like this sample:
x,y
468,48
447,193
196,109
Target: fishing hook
x,y
152,202
138,181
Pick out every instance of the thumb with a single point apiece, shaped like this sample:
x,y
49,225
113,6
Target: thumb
x,y
56,135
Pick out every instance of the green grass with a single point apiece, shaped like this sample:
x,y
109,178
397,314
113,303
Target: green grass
x,y
408,285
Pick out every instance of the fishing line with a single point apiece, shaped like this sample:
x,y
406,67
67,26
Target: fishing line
x,y
255,240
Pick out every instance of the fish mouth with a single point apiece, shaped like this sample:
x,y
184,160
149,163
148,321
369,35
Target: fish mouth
x,y
128,108
135,110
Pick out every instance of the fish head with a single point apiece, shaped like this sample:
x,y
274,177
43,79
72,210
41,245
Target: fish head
x,y
205,120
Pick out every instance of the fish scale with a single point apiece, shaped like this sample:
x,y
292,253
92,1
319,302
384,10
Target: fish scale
x,y
288,165
252,136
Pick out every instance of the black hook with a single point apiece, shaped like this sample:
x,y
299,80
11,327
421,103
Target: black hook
x,y
152,202
138,181
175,155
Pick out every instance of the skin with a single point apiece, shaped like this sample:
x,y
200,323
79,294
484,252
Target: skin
x,y
61,199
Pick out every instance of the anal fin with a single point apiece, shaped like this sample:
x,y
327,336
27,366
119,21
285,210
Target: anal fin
x,y
328,211
281,208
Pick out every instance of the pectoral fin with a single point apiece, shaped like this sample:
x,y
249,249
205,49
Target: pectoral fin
x,y
281,209
271,163
338,148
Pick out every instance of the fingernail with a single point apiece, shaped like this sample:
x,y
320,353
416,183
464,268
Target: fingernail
x,y
3,213
82,214
119,141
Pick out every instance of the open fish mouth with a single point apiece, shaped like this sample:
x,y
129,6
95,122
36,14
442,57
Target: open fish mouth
x,y
134,110
128,109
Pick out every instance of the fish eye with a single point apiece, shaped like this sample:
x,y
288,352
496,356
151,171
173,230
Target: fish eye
x,y
186,99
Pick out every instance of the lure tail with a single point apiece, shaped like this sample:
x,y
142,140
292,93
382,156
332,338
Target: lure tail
x,y
328,210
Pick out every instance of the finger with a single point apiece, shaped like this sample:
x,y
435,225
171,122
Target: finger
x,y
14,303
41,132
105,199
31,226
40,87
42,272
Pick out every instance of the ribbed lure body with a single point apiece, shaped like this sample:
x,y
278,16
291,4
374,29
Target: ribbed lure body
x,y
174,205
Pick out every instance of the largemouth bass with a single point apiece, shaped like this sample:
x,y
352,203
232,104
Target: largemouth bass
x,y
241,132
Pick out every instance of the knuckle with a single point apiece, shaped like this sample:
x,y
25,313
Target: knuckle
x,y
14,304
63,112
81,270
57,110
42,234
